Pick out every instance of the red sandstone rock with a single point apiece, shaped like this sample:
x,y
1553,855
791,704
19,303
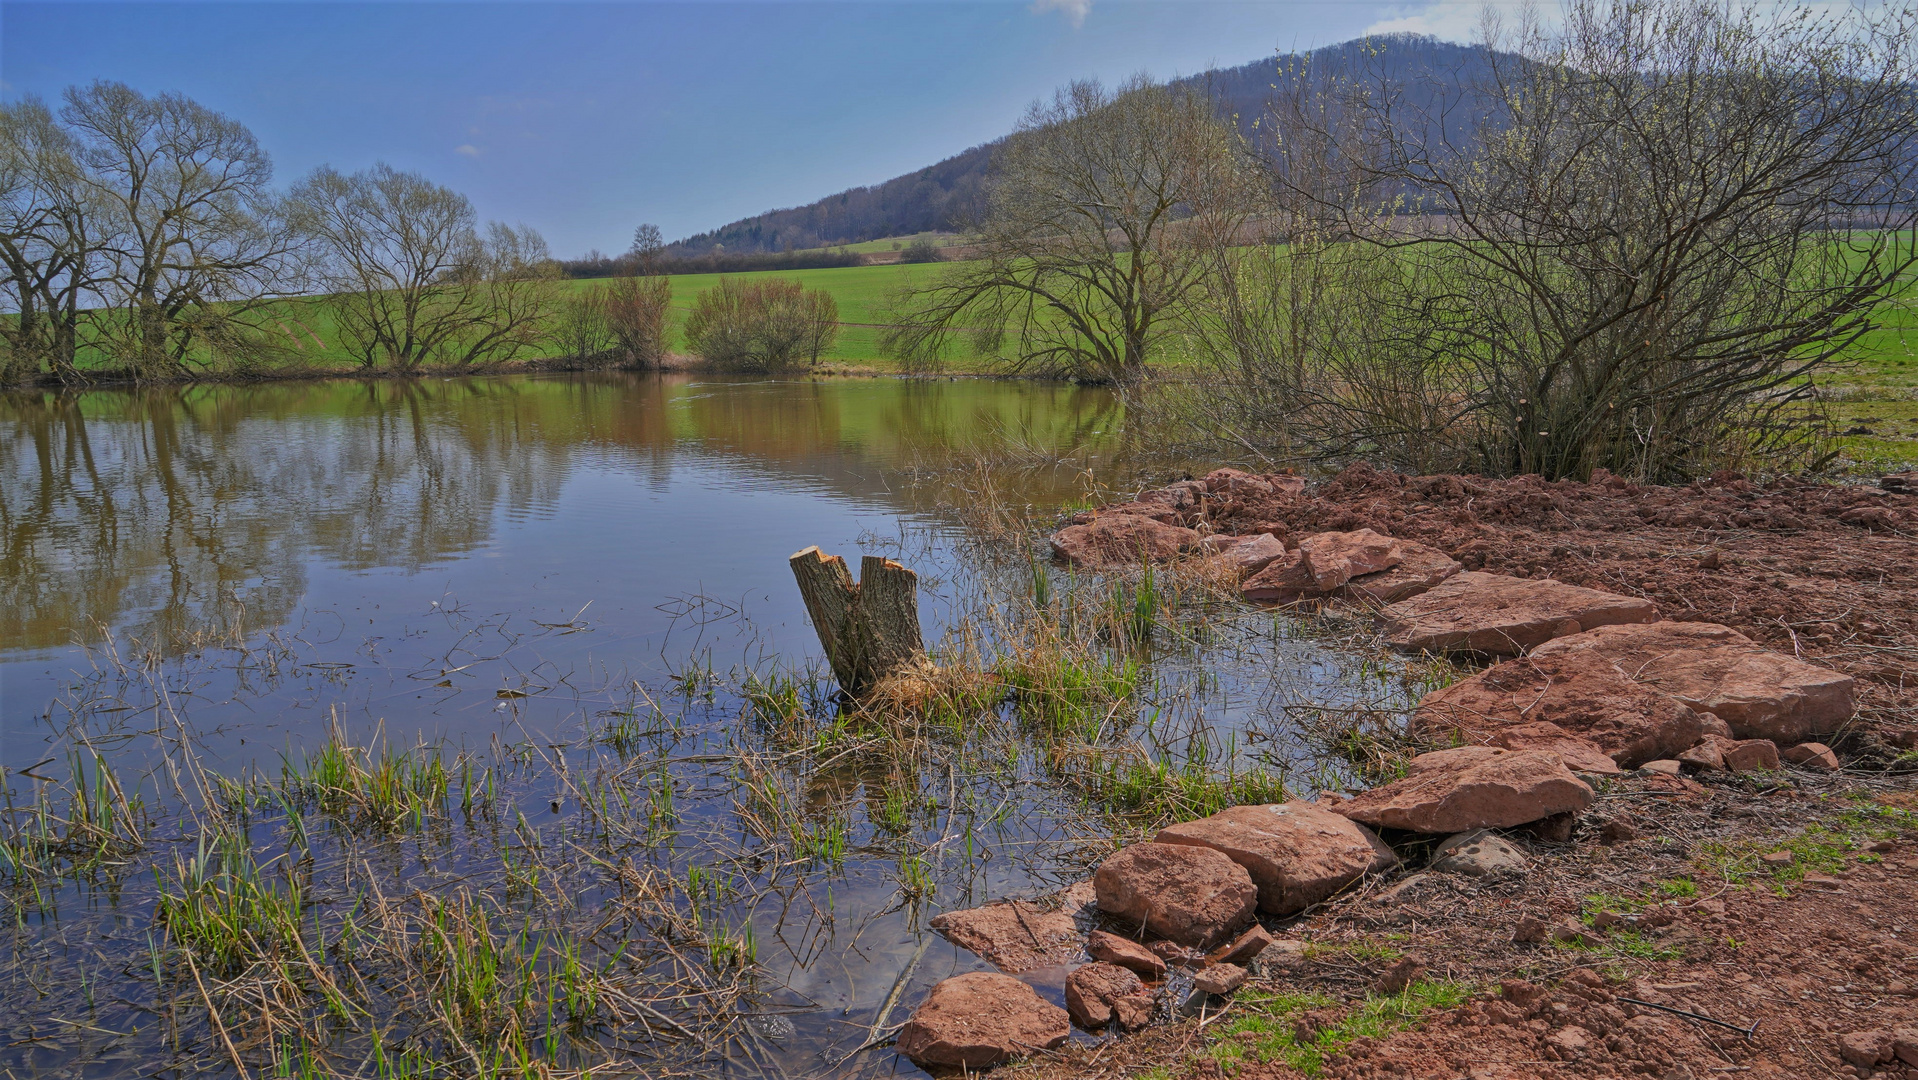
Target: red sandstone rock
x,y
1192,895
1812,755
1091,990
1581,692
1297,853
1134,1012
1285,580
1248,554
1761,694
1707,755
1231,482
1504,616
1334,558
1219,979
1420,569
1183,496
1751,755
1121,540
1472,787
1248,945
1126,953
1866,1048
980,1019
1019,935
1581,755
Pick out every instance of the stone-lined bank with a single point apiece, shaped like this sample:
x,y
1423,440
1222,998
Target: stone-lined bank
x,y
1586,683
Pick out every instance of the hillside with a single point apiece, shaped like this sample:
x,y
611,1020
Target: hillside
x,y
950,193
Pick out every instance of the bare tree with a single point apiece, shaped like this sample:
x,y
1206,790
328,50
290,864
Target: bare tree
x,y
50,243
581,328
1662,224
412,282
648,245
197,237
1103,208
636,313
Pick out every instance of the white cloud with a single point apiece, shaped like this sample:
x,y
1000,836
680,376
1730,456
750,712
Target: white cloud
x,y
468,149
1076,10
1449,20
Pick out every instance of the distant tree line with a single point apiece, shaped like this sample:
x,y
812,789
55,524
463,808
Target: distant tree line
x,y
598,265
1634,242
141,237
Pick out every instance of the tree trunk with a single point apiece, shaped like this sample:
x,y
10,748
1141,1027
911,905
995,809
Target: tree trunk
x,y
869,629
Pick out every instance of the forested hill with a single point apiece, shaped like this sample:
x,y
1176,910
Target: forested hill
x,y
948,194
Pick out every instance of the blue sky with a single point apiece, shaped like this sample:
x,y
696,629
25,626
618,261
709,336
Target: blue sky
x,y
584,119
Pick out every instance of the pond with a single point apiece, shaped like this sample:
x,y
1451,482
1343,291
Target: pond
x,y
461,727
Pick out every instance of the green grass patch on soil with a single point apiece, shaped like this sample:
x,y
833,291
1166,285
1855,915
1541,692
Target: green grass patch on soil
x,y
1271,1028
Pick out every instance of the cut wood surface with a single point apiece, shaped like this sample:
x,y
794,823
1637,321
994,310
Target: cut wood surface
x,y
870,628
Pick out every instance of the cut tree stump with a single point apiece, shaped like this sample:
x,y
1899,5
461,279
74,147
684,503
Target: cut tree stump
x,y
869,629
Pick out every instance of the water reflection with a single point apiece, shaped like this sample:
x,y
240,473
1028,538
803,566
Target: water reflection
x,y
175,511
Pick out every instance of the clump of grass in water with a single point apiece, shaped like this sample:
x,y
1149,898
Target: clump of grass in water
x,y
225,911
1065,688
1157,790
102,828
386,790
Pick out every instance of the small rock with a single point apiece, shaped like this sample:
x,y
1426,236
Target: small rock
x,y
1570,933
1812,755
1616,832
1478,853
1712,725
1823,881
1284,580
1525,995
981,1018
1192,895
1420,570
1017,935
1530,931
1219,979
1394,979
1249,944
1777,858
1472,787
1904,1045
1866,1048
1334,558
1174,954
1605,920
1708,754
1752,755
1126,953
1091,990
1134,1012
1252,554
1665,765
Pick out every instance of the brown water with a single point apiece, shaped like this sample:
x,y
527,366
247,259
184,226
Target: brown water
x,y
577,583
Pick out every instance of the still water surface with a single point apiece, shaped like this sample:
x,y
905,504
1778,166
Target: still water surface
x,y
511,568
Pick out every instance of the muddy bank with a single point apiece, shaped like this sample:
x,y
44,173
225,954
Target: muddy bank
x,y
1639,862
1824,572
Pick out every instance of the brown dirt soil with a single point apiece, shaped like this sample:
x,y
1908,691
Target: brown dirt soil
x,y
1807,961
1828,572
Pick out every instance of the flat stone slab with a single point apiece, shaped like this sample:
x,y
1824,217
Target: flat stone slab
x,y
1479,853
1472,787
1017,936
1496,615
1297,853
1581,755
982,1018
1759,693
1580,692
